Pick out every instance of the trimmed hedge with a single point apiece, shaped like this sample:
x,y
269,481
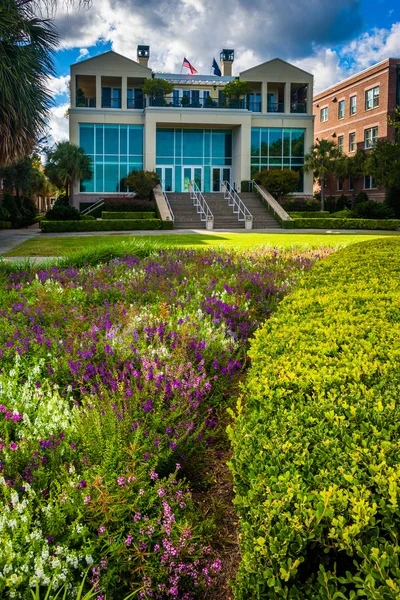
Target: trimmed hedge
x,y
127,215
332,223
5,224
321,214
316,459
105,225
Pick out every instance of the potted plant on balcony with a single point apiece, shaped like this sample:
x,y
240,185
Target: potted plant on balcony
x,y
157,89
185,101
234,92
209,102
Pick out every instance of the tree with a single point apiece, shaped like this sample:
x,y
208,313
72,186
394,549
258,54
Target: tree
x,y
24,177
355,169
157,89
278,182
383,165
234,90
322,160
142,183
66,164
27,45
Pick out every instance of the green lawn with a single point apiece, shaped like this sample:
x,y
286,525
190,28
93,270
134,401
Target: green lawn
x,y
63,246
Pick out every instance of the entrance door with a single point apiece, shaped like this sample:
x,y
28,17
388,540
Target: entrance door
x,y
166,178
219,175
192,174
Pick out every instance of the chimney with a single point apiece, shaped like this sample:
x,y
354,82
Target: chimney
x,y
143,54
227,58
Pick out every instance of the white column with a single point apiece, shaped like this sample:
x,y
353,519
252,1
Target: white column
x,y
98,91
287,97
264,96
124,92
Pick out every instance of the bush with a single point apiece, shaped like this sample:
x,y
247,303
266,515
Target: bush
x,y
343,214
62,200
62,212
332,223
21,210
361,197
127,215
279,183
109,225
5,224
88,218
316,459
246,186
295,205
373,210
337,203
129,205
320,214
142,183
4,213
392,201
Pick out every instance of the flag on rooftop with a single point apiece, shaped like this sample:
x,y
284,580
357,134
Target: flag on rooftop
x,y
187,64
217,70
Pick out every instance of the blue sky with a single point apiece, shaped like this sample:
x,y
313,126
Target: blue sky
x,y
330,38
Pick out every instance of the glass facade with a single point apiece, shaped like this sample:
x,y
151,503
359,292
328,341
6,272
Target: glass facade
x,y
277,148
192,153
115,151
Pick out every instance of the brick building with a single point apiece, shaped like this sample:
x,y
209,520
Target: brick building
x,y
353,113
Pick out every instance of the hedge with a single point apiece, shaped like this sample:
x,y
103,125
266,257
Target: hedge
x,y
321,214
105,225
332,223
5,224
316,460
127,215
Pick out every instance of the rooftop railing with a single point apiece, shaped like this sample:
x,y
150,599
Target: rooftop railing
x,y
276,107
86,101
207,102
298,107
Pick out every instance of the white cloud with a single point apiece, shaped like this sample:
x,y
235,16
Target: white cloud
x,y
58,124
58,85
324,64
374,46
83,54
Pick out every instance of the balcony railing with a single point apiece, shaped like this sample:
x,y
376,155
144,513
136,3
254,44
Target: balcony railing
x,y
86,101
298,107
254,106
107,102
187,102
276,107
138,104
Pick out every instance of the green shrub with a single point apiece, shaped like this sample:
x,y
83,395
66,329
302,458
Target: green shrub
x,y
109,225
373,210
130,205
361,197
279,183
294,205
5,224
332,223
392,201
61,212
127,215
21,210
142,183
320,214
88,218
62,200
246,186
337,203
343,214
316,460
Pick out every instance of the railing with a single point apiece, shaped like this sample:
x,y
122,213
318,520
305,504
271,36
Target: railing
x,y
208,102
107,102
138,104
278,107
274,206
97,204
234,200
254,106
169,207
201,205
298,107
85,101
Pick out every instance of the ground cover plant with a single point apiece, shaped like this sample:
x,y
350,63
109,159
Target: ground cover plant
x,y
112,378
316,439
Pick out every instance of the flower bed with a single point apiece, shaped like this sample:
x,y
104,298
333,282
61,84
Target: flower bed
x,y
110,381
316,440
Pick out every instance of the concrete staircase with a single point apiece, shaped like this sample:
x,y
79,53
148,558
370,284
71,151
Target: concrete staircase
x,y
186,216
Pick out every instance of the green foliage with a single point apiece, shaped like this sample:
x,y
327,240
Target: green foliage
x,y
294,205
336,203
109,225
361,197
316,460
392,200
142,183
133,205
235,89
21,210
61,212
246,186
278,182
373,210
88,218
323,160
309,214
127,215
333,223
346,213
27,46
66,164
384,164
5,224
157,88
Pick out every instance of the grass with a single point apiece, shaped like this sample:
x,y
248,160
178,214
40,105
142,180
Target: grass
x,y
65,246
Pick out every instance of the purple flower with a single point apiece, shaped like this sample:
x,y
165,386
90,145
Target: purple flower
x,y
128,540
87,499
82,483
121,481
13,446
101,530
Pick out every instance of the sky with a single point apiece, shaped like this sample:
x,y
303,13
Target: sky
x,y
330,38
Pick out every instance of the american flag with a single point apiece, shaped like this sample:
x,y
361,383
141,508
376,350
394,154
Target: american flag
x,y
187,64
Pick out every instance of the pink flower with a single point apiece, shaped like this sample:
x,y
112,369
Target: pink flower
x,y
121,481
13,446
87,499
128,540
101,530
141,492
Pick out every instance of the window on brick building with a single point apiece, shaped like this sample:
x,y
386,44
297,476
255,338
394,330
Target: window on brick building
x,y
372,98
339,185
351,184
369,183
341,109
353,105
324,114
340,143
370,137
352,142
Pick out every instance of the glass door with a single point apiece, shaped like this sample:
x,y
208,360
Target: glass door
x,y
192,174
219,175
166,178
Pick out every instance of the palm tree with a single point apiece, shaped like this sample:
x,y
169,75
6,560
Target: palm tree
x,y
27,46
322,160
66,164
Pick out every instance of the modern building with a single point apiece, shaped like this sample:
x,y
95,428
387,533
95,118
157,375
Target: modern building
x,y
354,114
194,134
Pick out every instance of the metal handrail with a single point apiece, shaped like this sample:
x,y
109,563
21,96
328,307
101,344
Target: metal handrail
x,y
199,202
88,210
234,200
169,207
272,203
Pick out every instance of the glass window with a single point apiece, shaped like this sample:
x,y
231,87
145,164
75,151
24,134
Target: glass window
x,y
370,137
264,142
324,114
111,139
351,183
192,143
341,109
86,138
165,144
340,143
298,142
352,142
99,139
275,142
369,182
353,105
123,139
372,98
135,139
